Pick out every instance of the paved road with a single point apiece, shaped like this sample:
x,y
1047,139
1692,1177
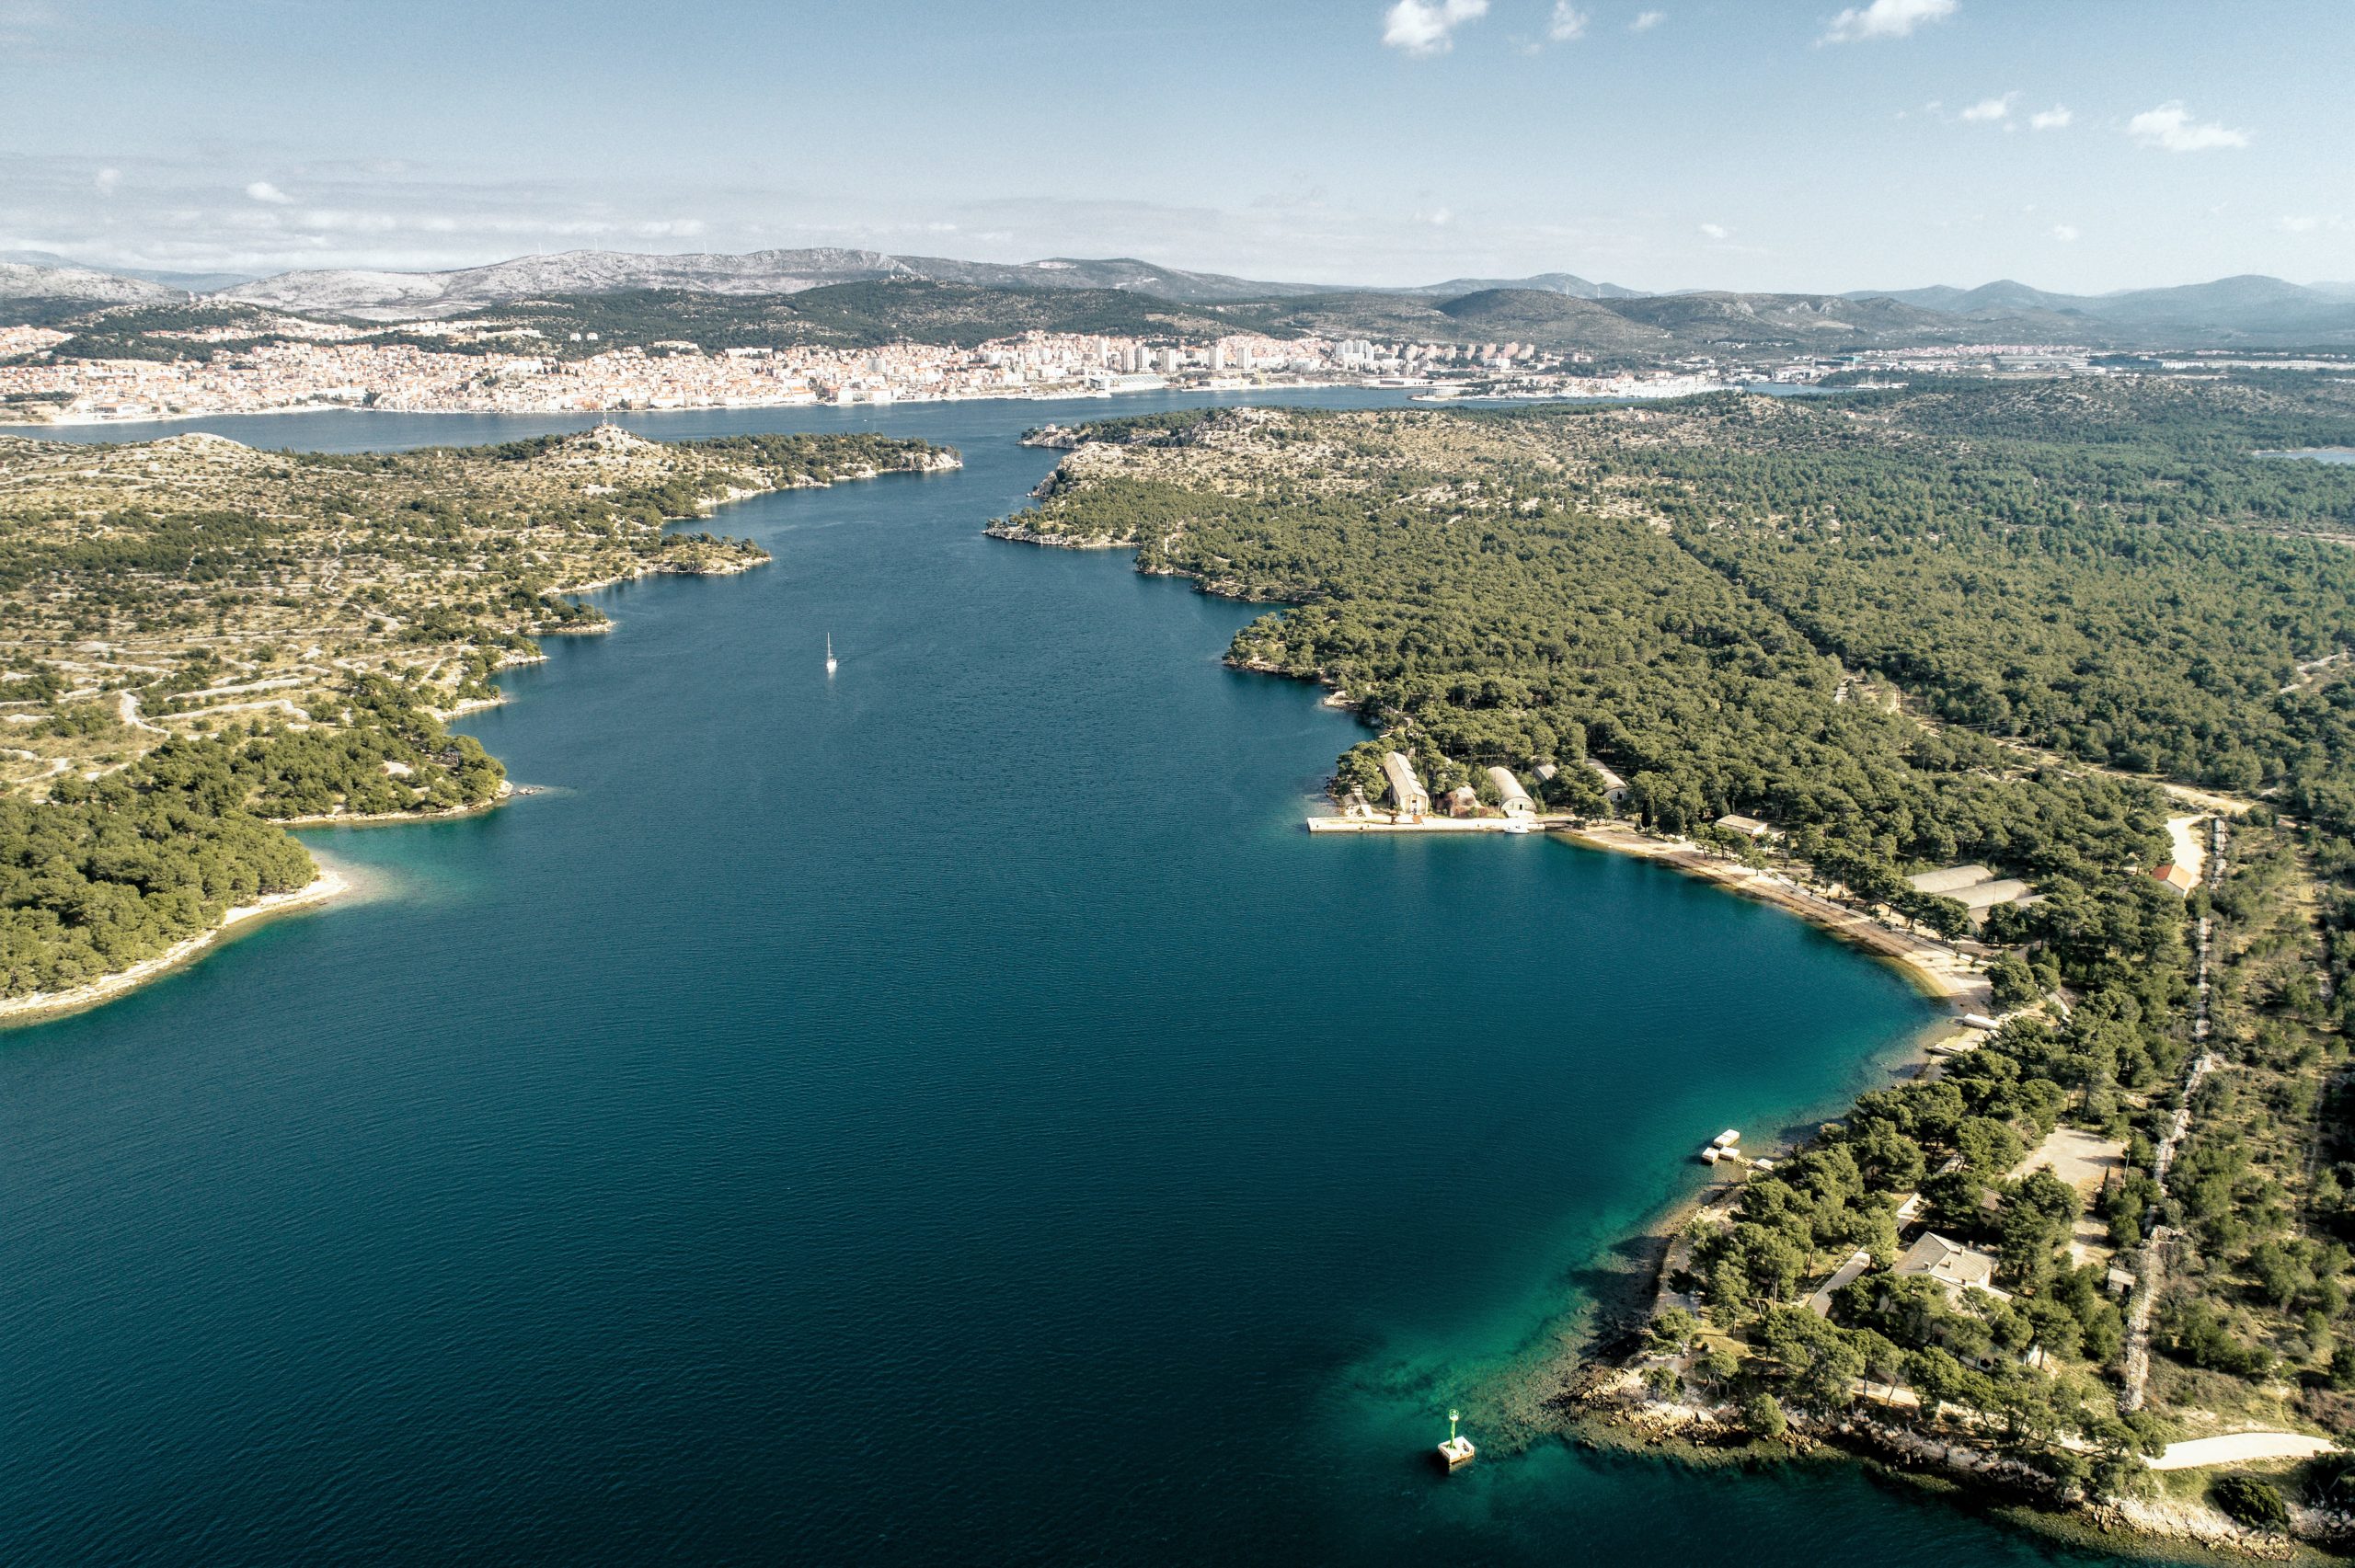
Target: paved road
x,y
2241,1446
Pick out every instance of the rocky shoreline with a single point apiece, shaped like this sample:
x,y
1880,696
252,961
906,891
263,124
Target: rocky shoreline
x,y
1008,531
1606,1405
1610,1408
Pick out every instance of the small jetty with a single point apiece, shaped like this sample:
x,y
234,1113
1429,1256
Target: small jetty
x,y
1438,824
1457,1451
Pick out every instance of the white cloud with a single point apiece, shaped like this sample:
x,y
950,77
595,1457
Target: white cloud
x,y
1991,109
106,180
2066,232
2051,119
1716,231
1569,22
1428,26
262,190
1647,20
1886,19
2171,126
2307,223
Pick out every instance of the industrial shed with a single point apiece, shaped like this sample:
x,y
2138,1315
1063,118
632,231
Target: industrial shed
x,y
1406,791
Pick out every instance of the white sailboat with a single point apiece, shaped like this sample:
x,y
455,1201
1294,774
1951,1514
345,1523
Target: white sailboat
x,y
830,653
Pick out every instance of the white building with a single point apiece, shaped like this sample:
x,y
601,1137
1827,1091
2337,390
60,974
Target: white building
x,y
1510,795
1408,795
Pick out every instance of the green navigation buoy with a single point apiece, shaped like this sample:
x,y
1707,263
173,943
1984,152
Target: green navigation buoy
x,y
1457,1451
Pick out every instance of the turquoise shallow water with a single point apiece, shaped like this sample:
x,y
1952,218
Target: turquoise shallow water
x,y
948,1113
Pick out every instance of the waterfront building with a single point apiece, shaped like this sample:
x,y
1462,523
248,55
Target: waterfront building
x,y
1510,795
1408,795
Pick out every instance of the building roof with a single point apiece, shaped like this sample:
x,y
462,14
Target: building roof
x,y
1509,790
1733,823
1610,779
1819,1303
2175,876
1952,1264
1407,791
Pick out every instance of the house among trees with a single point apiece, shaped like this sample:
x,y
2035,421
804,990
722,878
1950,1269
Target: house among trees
x,y
2175,876
1748,827
1953,1266
1615,788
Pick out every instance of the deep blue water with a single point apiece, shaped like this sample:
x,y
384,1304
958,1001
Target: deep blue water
x,y
946,1114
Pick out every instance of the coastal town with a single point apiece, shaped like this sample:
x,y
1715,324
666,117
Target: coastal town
x,y
271,362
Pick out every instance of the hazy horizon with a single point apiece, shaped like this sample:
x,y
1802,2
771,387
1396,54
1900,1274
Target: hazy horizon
x,y
1376,284
1780,146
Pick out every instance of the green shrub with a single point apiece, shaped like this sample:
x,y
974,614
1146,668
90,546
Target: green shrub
x,y
2253,1501
1763,1417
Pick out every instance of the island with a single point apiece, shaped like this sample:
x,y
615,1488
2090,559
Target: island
x,y
205,645
2046,678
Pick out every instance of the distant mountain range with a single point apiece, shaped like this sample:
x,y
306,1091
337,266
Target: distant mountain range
x,y
1542,283
37,294
2252,305
384,295
194,281
1557,309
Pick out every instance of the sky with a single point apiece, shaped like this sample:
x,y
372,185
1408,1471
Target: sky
x,y
2081,145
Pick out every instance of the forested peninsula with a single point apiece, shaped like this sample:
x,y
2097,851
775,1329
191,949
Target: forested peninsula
x,y
2017,626
201,643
